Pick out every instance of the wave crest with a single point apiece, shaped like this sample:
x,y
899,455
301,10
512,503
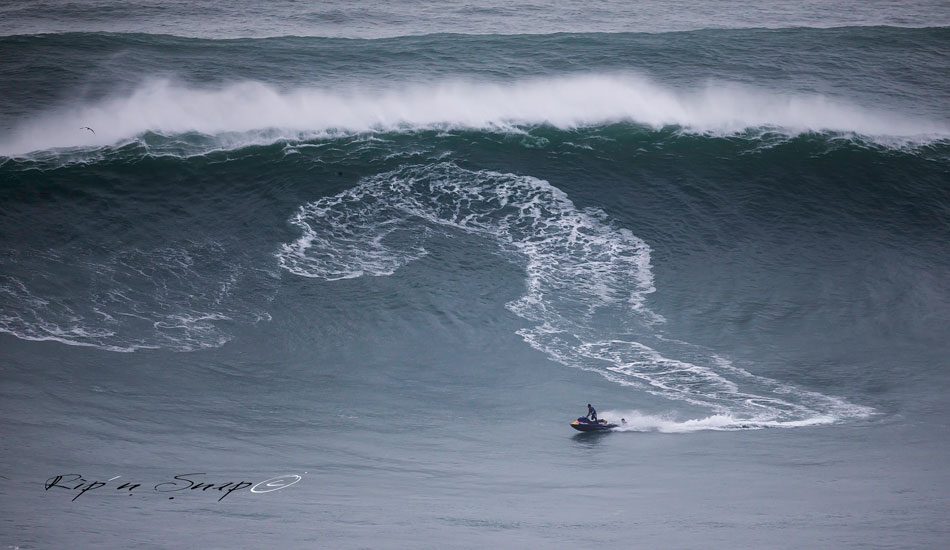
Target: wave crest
x,y
254,113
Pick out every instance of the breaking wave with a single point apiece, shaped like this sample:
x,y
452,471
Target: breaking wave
x,y
254,113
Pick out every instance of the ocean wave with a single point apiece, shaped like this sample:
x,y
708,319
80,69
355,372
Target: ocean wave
x,y
254,113
587,281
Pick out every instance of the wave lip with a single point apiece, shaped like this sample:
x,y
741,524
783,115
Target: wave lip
x,y
253,113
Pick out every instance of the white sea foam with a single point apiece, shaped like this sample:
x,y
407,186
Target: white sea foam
x,y
586,285
636,421
250,113
172,297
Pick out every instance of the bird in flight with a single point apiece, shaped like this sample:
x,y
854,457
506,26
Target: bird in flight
x,y
88,128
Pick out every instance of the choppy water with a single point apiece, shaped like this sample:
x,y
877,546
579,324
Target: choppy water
x,y
325,242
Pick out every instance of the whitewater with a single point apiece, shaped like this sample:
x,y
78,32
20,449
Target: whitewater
x,y
254,113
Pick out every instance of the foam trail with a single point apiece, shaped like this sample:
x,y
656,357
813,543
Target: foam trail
x,y
248,113
585,290
635,421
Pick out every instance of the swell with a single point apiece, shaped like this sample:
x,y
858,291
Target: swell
x,y
123,251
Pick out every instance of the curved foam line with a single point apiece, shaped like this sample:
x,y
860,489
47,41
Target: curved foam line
x,y
578,267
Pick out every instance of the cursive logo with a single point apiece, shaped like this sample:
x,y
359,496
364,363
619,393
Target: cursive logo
x,y
79,485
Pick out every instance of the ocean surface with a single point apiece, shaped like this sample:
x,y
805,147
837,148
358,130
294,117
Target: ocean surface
x,y
340,275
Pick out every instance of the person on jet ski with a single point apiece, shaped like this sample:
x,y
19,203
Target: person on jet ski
x,y
591,413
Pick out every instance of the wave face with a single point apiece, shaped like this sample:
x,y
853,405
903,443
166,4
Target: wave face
x,y
685,214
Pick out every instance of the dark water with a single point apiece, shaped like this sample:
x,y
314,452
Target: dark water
x,y
398,264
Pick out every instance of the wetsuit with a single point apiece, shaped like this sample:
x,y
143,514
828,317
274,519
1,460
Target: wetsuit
x,y
592,413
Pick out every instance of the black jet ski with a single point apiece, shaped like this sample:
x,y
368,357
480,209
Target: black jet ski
x,y
584,424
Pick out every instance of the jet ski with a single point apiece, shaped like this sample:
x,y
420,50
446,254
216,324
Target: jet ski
x,y
584,424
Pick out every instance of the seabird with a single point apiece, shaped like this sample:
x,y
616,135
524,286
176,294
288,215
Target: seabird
x,y
88,128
